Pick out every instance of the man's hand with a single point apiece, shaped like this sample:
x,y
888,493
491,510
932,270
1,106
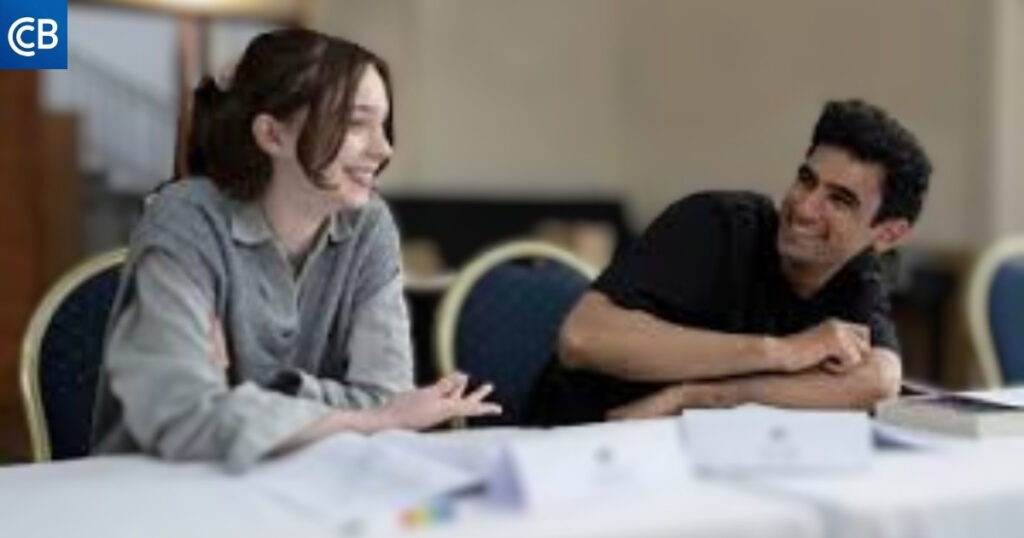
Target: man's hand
x,y
834,345
444,400
666,402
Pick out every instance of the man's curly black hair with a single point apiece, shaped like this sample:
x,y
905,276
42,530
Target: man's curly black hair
x,y
871,135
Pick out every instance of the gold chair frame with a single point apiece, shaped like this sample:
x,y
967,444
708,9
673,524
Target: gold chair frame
x,y
31,345
979,284
450,307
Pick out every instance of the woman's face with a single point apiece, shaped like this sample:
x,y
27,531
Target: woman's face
x,y
352,175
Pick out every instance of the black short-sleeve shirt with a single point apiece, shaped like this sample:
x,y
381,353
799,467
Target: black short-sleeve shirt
x,y
710,261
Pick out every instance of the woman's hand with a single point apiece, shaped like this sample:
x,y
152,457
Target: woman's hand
x,y
444,400
415,409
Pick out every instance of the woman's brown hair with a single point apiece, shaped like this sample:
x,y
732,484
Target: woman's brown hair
x,y
281,73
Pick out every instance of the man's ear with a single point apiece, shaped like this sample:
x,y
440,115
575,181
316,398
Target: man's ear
x,y
269,135
889,233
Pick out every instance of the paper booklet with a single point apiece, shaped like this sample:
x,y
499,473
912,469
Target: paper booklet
x,y
972,414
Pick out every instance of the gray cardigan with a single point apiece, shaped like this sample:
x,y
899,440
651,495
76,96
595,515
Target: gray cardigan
x,y
336,335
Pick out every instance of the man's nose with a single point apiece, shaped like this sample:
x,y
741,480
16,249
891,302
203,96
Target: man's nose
x,y
809,205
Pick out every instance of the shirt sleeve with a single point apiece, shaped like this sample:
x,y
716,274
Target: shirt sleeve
x,y
883,331
379,351
176,402
673,270
379,344
868,303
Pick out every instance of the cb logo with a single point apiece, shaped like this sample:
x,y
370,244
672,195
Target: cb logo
x,y
46,35
33,34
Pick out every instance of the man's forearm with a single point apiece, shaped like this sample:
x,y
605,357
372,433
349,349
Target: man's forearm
x,y
634,345
876,379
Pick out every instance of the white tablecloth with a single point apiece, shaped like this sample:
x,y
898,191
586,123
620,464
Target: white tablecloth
x,y
969,492
975,491
132,496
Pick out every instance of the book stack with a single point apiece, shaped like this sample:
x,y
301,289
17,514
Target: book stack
x,y
975,414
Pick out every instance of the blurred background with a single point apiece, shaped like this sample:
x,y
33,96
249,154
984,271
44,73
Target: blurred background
x,y
573,120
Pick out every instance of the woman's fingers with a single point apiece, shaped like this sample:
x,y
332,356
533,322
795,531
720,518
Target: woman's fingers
x,y
476,409
473,404
480,393
452,384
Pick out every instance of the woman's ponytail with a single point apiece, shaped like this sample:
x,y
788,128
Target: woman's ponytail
x,y
207,102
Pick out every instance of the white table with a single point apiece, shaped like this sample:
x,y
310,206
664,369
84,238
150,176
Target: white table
x,y
974,491
130,496
968,492
133,496
704,510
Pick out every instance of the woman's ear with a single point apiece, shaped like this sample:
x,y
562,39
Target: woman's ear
x,y
271,136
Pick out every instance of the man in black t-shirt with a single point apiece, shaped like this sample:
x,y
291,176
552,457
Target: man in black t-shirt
x,y
725,300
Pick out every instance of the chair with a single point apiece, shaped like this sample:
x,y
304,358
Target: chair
x,y
995,311
500,319
61,355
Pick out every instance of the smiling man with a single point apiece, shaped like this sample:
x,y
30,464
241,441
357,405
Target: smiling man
x,y
726,300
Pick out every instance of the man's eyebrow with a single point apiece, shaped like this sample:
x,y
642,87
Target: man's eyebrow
x,y
806,169
846,193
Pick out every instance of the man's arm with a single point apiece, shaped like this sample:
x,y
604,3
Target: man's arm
x,y
628,344
877,378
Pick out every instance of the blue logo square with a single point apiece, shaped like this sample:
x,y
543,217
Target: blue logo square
x,y
33,34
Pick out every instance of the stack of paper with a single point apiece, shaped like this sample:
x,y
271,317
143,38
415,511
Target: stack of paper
x,y
354,482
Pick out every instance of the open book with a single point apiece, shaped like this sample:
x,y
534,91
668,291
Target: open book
x,y
974,414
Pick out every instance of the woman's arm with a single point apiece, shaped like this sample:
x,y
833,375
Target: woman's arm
x,y
378,349
379,352
175,400
166,363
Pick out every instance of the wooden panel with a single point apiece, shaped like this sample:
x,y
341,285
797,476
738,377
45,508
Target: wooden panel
x,y
61,194
20,269
20,241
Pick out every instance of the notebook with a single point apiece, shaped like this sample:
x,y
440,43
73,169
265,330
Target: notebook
x,y
976,414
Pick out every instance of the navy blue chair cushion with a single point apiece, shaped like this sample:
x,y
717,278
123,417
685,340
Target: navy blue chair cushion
x,y
69,362
1006,318
508,327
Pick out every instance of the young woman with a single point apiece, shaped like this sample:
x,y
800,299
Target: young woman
x,y
261,306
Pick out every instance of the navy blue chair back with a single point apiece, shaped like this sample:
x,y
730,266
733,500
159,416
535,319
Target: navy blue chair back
x,y
1006,319
506,329
63,352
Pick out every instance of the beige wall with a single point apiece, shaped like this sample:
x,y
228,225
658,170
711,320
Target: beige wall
x,y
726,97
1007,118
497,97
657,98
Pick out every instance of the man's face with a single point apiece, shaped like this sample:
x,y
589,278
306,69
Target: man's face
x,y
827,216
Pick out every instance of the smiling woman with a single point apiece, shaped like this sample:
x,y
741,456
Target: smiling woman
x,y
261,304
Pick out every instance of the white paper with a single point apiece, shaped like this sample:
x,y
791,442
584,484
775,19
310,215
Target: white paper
x,y
475,451
356,483
754,438
587,462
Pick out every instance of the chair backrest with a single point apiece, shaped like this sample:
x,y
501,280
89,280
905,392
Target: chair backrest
x,y
995,308
499,321
61,356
